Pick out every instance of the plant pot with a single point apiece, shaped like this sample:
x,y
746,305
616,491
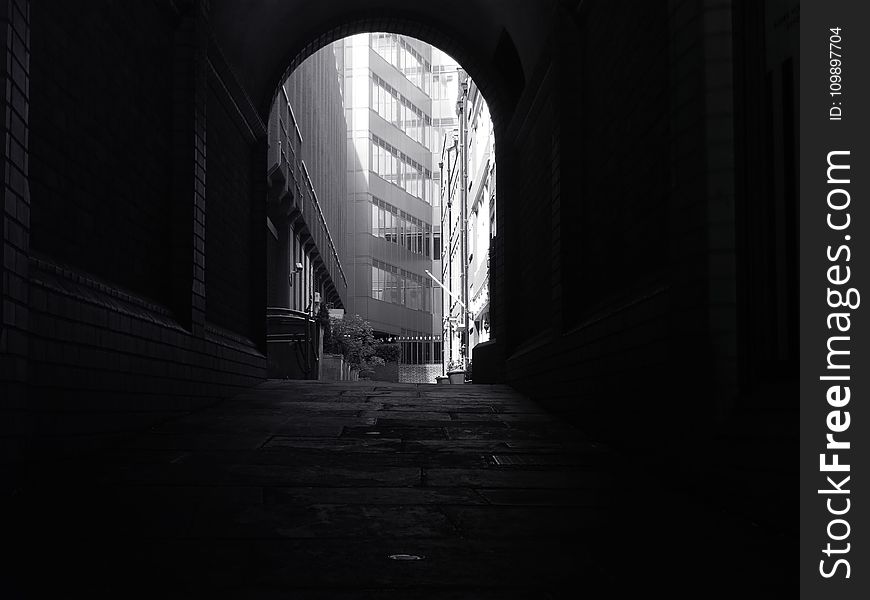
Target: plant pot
x,y
456,376
442,379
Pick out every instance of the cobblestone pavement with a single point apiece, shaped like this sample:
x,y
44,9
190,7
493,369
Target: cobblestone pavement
x,y
358,490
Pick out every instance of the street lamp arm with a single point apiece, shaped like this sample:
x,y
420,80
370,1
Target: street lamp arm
x,y
452,295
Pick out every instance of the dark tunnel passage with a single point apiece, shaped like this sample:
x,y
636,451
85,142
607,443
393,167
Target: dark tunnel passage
x,y
636,387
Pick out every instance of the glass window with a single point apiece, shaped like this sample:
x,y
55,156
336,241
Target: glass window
x,y
382,160
400,173
388,164
412,178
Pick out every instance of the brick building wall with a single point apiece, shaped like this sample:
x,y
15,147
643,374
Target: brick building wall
x,y
15,425
417,373
100,172
228,275
114,334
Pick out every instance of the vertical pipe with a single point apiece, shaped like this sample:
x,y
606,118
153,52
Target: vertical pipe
x,y
441,205
463,165
450,257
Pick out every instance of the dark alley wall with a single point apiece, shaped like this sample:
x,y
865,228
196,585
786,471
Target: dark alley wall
x,y
89,65
616,267
228,245
114,339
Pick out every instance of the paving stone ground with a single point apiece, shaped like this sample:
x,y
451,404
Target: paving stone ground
x,y
319,490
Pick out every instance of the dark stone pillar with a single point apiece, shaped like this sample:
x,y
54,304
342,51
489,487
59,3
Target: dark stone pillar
x,y
258,265
703,320
189,167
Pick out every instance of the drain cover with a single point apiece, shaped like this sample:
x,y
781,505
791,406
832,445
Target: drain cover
x,y
405,557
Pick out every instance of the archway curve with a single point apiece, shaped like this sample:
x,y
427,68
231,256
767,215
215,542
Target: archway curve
x,y
488,81
261,66
317,85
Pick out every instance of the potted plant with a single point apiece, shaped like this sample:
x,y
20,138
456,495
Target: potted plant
x,y
442,379
456,371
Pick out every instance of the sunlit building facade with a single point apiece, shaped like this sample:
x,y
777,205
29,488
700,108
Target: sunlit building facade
x,y
391,240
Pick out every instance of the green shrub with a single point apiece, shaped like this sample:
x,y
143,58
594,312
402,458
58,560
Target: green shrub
x,y
352,337
389,352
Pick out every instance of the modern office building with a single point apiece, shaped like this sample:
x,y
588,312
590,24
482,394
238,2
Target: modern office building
x,y
388,86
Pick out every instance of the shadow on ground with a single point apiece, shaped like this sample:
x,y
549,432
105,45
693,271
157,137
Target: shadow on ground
x,y
367,490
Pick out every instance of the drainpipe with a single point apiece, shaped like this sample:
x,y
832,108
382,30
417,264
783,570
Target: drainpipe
x,y
441,203
449,257
462,106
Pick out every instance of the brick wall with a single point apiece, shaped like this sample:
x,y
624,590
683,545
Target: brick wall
x,y
15,220
227,218
99,157
418,373
104,326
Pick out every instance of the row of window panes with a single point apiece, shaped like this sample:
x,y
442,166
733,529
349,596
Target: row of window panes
x,y
400,111
401,55
420,353
398,227
400,170
397,286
